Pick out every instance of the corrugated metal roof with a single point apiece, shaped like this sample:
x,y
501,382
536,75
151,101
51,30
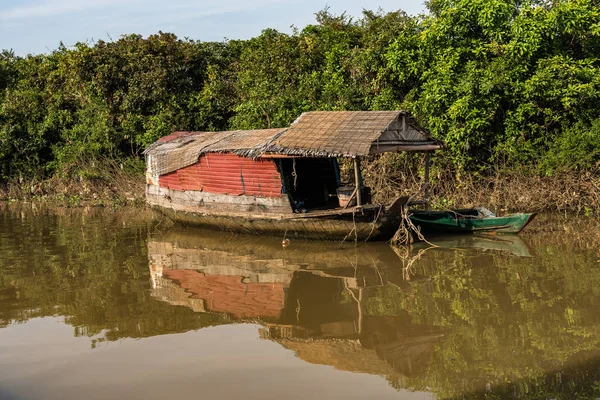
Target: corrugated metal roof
x,y
351,133
181,149
245,143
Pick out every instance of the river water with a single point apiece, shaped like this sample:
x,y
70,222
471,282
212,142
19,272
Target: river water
x,y
98,304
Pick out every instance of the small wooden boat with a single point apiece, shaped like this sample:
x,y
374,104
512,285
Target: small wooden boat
x,y
469,221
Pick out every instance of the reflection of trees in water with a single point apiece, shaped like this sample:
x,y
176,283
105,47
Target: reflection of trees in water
x,y
524,326
513,319
578,379
89,267
514,325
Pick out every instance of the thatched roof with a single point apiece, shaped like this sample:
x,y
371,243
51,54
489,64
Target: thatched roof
x,y
313,134
352,133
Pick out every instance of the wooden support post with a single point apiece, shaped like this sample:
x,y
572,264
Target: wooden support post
x,y
427,163
357,181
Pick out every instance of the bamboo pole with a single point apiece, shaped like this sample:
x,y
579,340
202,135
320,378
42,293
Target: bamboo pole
x,y
357,180
427,163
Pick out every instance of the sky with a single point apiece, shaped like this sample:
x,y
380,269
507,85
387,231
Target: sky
x,y
38,26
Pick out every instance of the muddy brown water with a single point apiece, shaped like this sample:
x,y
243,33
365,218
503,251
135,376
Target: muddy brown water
x,y
98,304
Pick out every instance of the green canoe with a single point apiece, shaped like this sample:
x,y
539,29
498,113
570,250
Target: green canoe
x,y
469,220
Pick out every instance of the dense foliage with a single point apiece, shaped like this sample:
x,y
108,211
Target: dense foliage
x,y
502,82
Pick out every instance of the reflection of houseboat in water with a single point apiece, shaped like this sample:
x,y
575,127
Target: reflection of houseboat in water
x,y
320,302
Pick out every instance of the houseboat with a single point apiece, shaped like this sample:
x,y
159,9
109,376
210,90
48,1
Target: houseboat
x,y
283,181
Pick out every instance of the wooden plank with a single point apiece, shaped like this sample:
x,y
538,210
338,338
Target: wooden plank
x,y
273,155
383,148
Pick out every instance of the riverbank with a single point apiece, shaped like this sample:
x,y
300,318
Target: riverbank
x,y
572,192
507,191
511,191
108,185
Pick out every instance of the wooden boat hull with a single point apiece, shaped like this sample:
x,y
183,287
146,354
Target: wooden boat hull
x,y
467,221
273,217
363,228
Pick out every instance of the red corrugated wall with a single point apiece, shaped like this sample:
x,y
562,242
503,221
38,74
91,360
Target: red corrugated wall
x,y
226,174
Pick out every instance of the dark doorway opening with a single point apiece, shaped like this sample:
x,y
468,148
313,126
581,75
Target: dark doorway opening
x,y
311,183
